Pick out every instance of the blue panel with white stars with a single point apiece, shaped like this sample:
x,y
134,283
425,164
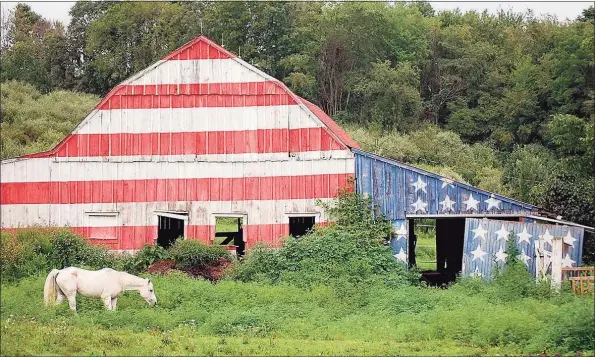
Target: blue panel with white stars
x,y
399,189
399,241
486,243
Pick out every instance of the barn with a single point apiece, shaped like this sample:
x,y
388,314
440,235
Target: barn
x,y
202,136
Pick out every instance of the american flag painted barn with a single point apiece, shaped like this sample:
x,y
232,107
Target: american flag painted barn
x,y
198,135
202,135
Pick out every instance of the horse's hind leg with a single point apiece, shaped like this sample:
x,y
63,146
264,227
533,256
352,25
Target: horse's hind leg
x,y
60,297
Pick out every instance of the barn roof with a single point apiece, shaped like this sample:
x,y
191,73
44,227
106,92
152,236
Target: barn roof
x,y
203,47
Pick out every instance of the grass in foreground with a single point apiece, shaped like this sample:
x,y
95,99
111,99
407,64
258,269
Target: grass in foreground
x,y
197,318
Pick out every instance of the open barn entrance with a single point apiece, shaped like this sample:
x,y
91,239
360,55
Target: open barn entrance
x,y
169,229
230,233
436,248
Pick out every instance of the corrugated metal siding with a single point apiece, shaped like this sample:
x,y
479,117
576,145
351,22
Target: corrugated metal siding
x,y
200,132
490,243
391,186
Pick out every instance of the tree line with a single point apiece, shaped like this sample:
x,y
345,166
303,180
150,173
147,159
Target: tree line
x,y
516,91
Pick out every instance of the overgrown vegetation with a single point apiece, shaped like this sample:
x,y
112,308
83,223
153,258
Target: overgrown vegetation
x,y
337,290
193,253
348,255
37,251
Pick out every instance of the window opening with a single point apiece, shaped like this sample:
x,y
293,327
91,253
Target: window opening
x,y
299,226
229,232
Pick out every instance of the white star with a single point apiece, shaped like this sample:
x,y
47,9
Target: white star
x,y
447,204
419,205
478,253
479,232
401,232
524,257
401,256
568,239
419,185
471,203
446,182
501,256
546,237
477,273
502,233
567,262
492,202
524,236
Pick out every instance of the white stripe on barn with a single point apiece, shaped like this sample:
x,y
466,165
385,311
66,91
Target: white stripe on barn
x,y
197,71
168,120
143,214
238,165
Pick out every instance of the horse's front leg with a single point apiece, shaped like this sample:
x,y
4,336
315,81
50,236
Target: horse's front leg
x,y
107,301
72,301
114,302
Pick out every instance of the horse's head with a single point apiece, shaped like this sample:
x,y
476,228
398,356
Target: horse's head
x,y
148,293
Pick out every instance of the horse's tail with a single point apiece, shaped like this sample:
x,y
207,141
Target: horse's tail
x,y
50,288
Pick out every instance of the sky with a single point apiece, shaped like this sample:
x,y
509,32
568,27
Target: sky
x,y
564,9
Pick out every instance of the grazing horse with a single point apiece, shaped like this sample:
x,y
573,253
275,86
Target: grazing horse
x,y
106,284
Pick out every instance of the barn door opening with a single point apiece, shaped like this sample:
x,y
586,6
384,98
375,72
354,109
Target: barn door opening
x,y
170,227
436,248
299,226
229,232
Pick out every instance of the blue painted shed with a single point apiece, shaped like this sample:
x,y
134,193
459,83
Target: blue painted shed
x,y
404,193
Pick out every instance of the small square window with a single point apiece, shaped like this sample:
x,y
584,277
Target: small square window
x,y
103,225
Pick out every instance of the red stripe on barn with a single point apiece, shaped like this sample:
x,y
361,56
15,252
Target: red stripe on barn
x,y
171,190
199,48
165,101
243,88
200,143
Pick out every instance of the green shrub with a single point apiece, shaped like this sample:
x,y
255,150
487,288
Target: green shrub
x,y
347,255
148,255
192,253
37,251
69,249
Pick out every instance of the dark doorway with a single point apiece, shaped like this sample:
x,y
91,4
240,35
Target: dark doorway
x,y
450,239
169,229
298,226
229,232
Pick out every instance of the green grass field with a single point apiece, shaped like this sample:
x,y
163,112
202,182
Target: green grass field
x,y
425,249
195,317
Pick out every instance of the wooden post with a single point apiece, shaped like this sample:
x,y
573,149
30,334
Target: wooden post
x,y
557,262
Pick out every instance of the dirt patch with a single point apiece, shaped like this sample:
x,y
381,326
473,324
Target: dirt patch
x,y
212,273
161,267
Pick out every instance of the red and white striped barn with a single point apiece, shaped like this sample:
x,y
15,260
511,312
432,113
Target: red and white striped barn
x,y
198,135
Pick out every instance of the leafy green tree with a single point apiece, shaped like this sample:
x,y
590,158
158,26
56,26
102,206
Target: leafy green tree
x,y
573,197
129,37
389,96
528,170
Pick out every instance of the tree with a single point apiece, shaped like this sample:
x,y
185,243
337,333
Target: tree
x,y
34,50
389,96
129,37
573,197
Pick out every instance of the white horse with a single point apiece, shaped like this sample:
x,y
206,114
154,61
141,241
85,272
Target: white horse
x,y
106,283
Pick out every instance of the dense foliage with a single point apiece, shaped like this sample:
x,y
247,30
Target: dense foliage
x,y
32,252
193,253
503,101
338,288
